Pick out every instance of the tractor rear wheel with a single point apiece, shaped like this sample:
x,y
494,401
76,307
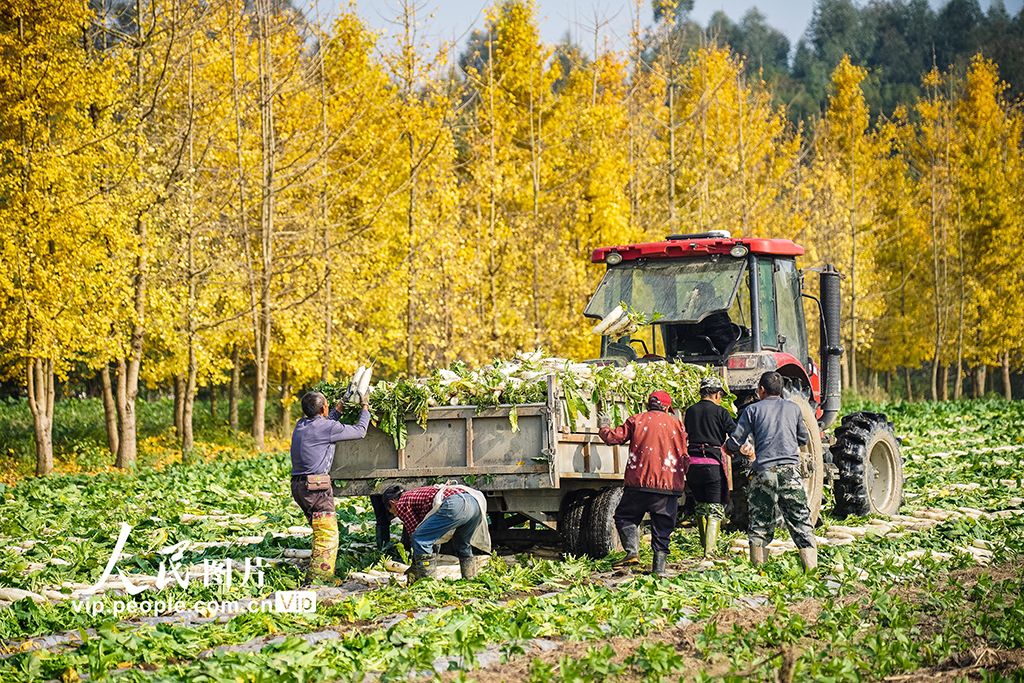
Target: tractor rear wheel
x,y
867,453
812,464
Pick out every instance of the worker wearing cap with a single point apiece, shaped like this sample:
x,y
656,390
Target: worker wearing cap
x,y
654,479
708,425
777,426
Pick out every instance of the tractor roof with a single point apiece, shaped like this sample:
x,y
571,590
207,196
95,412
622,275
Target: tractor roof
x,y
715,242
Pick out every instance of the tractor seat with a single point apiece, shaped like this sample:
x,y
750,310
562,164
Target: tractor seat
x,y
621,350
699,345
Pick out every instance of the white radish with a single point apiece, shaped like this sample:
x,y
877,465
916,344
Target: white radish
x,y
619,328
609,320
364,381
358,375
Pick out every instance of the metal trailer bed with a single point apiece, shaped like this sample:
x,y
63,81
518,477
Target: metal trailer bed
x,y
554,478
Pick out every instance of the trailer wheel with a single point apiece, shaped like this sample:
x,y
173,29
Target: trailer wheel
x,y
571,521
867,453
599,534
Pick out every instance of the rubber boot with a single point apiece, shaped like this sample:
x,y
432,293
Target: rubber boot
x,y
383,536
423,566
702,528
711,535
469,567
629,536
809,559
756,554
660,560
325,548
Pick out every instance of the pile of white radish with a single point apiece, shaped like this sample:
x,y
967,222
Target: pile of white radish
x,y
897,526
616,324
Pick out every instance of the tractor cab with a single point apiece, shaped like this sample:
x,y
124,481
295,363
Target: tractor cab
x,y
732,303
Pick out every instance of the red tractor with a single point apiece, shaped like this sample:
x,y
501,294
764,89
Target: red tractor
x,y
737,304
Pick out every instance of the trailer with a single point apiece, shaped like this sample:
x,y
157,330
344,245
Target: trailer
x,y
552,479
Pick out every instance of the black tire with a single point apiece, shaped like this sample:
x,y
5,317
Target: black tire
x,y
571,520
599,534
867,453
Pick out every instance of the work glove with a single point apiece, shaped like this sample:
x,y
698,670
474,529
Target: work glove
x,y
603,419
350,393
364,398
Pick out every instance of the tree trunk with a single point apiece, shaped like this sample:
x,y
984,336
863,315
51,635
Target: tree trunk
x,y
213,402
1007,389
189,387
328,315
980,373
888,384
285,413
943,383
263,318
178,386
410,304
109,409
40,402
937,348
958,382
910,390
128,368
236,376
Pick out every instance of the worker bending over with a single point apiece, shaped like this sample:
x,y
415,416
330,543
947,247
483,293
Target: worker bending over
x,y
708,425
432,515
654,479
777,426
312,455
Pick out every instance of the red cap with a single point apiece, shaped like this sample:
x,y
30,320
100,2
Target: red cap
x,y
662,399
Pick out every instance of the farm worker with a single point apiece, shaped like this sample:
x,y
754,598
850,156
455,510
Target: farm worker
x,y
654,479
708,425
778,429
312,456
432,515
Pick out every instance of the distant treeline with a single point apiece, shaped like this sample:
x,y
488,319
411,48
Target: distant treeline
x,y
896,41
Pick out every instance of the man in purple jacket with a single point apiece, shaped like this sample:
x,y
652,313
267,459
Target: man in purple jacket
x,y
312,454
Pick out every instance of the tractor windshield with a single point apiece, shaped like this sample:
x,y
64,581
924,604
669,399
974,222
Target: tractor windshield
x,y
681,290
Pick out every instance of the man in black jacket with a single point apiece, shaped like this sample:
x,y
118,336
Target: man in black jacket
x,y
708,425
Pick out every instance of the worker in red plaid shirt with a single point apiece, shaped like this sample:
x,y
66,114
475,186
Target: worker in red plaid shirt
x,y
433,513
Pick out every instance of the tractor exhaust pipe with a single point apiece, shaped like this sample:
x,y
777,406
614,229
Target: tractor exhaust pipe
x,y
831,345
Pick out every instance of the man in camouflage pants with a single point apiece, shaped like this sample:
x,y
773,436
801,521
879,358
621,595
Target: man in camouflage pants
x,y
778,429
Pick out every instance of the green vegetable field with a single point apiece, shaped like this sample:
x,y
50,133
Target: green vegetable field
x,y
933,594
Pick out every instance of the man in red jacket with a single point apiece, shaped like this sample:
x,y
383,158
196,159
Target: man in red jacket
x,y
654,479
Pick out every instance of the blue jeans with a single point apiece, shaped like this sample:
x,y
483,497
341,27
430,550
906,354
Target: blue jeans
x,y
458,511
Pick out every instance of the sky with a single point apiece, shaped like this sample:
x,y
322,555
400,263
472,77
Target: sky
x,y
453,20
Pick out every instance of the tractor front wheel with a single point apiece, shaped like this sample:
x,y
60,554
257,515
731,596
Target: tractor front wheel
x,y
867,453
